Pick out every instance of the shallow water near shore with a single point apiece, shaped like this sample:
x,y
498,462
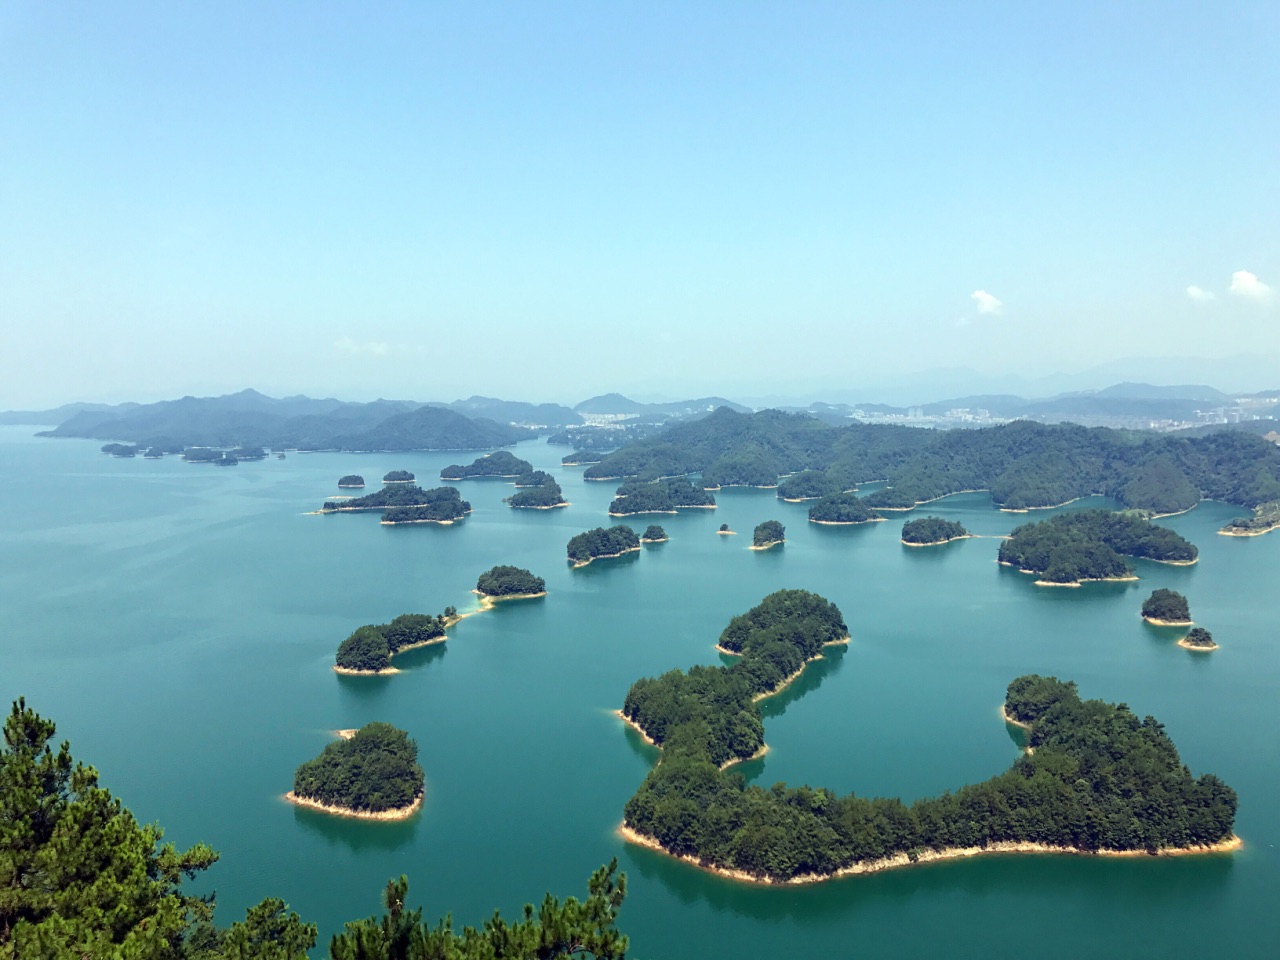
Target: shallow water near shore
x,y
178,621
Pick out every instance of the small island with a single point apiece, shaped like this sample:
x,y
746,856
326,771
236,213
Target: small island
x,y
369,649
1266,517
839,509
398,476
537,490
1199,639
1090,545
932,532
372,775
659,496
502,464
510,583
724,531
654,534
1166,608
352,481
121,450
602,543
768,534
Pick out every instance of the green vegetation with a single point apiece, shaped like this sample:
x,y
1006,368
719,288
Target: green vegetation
x,y
398,476
1198,639
351,480
120,449
1091,545
503,463
537,489
581,458
653,534
806,485
506,581
930,530
659,496
1023,464
202,455
1167,606
80,877
842,508
1266,517
374,771
724,528
768,533
154,453
1099,779
371,647
407,502
602,542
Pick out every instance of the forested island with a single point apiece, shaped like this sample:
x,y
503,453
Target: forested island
x,y
1266,517
1023,464
370,648
537,490
932,531
1097,779
121,450
398,476
842,508
407,503
768,534
654,534
1198,639
1166,608
1072,548
350,481
659,496
510,583
580,458
373,774
601,543
724,530
806,485
502,463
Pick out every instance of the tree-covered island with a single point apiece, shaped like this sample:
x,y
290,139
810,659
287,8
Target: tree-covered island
x,y
768,534
581,458
370,648
724,530
407,503
510,583
806,485
1266,517
931,531
122,450
501,463
839,509
602,543
1198,639
537,490
350,481
1098,780
659,496
398,476
373,775
654,534
1073,548
1166,608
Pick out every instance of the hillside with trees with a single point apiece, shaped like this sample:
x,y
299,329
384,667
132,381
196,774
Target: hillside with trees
x,y
374,771
928,531
659,496
770,533
1071,548
1166,608
501,463
806,485
842,508
506,581
602,542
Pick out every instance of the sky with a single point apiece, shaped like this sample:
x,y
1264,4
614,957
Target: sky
x,y
544,201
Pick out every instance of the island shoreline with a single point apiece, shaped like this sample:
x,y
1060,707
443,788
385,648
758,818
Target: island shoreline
x,y
395,813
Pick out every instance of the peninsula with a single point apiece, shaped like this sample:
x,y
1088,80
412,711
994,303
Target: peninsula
x,y
842,508
932,532
602,543
1266,517
372,775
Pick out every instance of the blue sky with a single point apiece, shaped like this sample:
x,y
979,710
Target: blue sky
x,y
544,201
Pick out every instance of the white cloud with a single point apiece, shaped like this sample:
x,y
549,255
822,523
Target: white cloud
x,y
1200,293
373,348
1246,284
986,302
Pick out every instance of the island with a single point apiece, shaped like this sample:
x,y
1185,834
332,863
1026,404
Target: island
x,y
839,509
1088,545
537,490
581,458
510,583
407,503
724,531
654,534
602,543
1266,517
372,775
1199,639
121,450
352,481
932,531
1096,779
398,476
502,463
1166,608
768,534
369,649
659,496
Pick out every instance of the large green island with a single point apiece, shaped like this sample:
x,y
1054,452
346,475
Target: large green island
x,y
537,490
659,496
1095,778
602,543
502,464
932,532
370,648
406,503
373,774
770,533
506,582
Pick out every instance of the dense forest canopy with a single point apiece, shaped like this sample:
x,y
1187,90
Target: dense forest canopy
x,y
842,508
653,534
1199,637
537,488
508,581
932,530
371,647
1091,545
407,502
1023,464
807,485
501,463
659,496
1166,605
374,771
768,533
351,480
602,542
398,476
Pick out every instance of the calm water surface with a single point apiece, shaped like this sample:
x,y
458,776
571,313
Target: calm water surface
x,y
178,622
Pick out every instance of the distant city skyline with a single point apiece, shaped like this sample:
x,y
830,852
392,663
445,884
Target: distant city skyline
x,y
823,201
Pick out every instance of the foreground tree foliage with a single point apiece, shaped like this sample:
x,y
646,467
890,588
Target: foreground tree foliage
x,y
602,542
1091,545
374,771
80,878
507,581
660,496
372,646
1167,605
932,530
502,463
768,533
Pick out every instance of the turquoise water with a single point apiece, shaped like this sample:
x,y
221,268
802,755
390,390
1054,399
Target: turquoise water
x,y
178,622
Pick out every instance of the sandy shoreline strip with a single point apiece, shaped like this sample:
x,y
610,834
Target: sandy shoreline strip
x,y
854,523
938,543
767,546
1156,622
1196,648
396,813
491,600
637,728
603,556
